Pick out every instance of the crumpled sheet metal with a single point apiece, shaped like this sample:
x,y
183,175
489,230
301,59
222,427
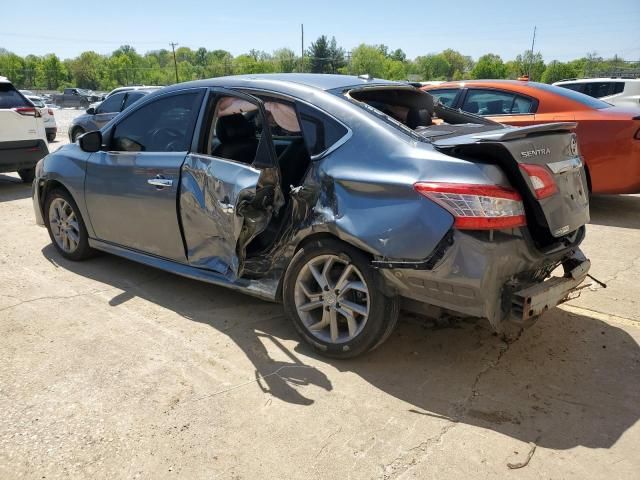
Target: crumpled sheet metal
x,y
211,192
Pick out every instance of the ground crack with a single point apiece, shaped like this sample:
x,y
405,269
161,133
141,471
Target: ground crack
x,y
406,461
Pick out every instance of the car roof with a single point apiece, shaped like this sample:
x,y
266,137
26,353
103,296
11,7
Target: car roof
x,y
4,80
320,81
600,79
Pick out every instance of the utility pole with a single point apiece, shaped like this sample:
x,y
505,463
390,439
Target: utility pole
x,y
301,47
175,64
533,42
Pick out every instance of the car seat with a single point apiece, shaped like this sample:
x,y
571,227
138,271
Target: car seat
x,y
237,139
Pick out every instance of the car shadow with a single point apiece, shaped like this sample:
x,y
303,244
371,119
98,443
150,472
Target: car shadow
x,y
570,380
615,210
13,188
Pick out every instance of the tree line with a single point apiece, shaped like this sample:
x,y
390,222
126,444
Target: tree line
x,y
125,66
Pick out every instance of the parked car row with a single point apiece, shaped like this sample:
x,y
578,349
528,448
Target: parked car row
x,y
345,198
101,113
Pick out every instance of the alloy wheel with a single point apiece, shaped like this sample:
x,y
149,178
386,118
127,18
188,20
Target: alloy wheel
x,y
64,225
332,299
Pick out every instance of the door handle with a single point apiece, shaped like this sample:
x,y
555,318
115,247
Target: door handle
x,y
160,182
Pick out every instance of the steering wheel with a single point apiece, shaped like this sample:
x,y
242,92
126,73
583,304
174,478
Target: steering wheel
x,y
168,139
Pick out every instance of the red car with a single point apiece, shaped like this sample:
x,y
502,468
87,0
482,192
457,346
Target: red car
x,y
608,136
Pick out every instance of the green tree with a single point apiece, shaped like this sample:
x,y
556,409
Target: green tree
x,y
368,59
433,67
527,64
51,72
556,71
457,63
489,66
336,56
320,55
285,60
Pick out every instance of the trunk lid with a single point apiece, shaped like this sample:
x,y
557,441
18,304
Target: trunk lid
x,y
554,148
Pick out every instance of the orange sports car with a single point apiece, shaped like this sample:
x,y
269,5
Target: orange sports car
x,y
608,136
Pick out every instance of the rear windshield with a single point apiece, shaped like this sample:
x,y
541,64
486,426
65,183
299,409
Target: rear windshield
x,y
573,95
595,89
405,108
11,98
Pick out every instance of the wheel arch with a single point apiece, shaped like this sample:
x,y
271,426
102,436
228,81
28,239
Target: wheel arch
x,y
308,239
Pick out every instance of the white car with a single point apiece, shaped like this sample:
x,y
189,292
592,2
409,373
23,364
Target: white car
x,y
130,87
50,125
621,92
23,140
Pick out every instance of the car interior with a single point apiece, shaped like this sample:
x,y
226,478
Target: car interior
x,y
234,134
408,106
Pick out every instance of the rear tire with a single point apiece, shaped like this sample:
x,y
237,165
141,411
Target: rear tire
x,y
336,300
66,226
51,137
27,174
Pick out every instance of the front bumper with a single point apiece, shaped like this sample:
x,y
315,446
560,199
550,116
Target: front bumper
x,y
499,276
21,154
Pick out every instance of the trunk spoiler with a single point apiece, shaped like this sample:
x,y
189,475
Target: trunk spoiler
x,y
521,132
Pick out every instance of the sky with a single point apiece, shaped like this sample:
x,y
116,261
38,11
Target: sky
x,y
566,29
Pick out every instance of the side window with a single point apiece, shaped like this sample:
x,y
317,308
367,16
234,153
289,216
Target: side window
x,y
111,104
165,125
234,129
496,102
446,95
320,131
132,97
11,98
576,87
617,88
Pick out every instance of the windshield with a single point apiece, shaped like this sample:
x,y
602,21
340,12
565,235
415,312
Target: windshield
x,y
585,100
37,102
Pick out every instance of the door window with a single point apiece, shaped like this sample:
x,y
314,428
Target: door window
x,y
165,125
321,132
496,102
235,129
111,104
446,95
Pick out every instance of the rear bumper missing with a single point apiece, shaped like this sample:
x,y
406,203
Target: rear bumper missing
x,y
499,277
531,302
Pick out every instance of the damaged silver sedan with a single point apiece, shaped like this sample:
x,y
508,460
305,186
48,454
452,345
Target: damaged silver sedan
x,y
345,198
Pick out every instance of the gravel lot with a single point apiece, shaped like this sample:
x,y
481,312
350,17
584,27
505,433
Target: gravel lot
x,y
116,370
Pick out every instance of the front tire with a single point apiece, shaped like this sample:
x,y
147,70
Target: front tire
x,y
27,174
76,133
66,226
336,300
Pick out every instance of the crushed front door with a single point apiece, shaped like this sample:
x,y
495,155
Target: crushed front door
x,y
224,203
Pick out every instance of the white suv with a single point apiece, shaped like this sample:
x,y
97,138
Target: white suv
x,y
23,140
622,92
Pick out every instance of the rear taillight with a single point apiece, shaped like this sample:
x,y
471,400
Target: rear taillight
x,y
477,207
541,179
27,111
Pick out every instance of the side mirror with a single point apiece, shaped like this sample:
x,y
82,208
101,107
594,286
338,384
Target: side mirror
x,y
91,141
91,111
